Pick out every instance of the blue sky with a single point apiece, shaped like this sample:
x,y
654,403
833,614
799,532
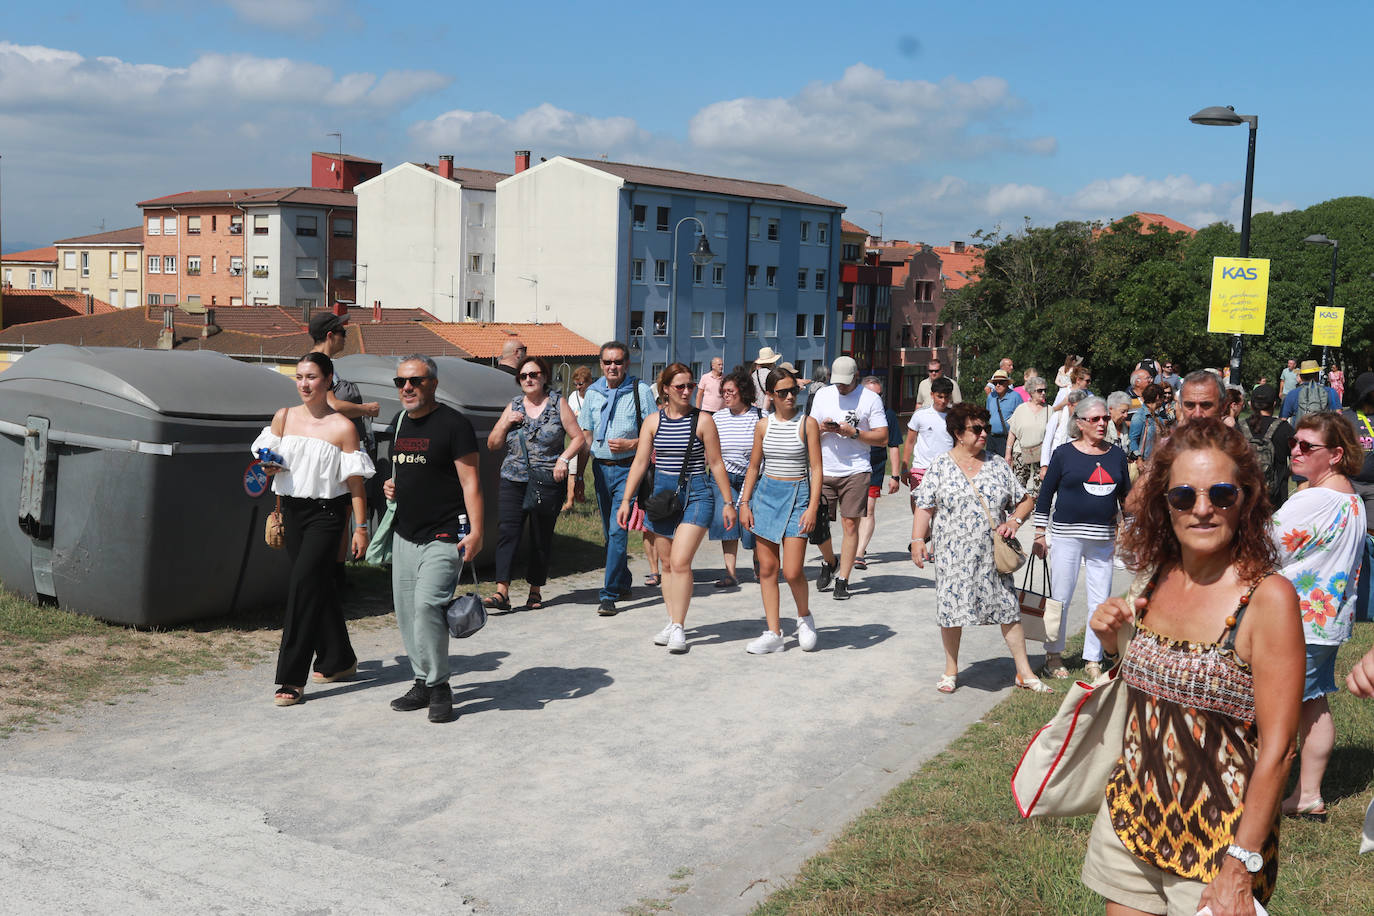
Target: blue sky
x,y
947,117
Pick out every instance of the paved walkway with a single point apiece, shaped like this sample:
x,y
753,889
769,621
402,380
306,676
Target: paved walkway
x,y
588,771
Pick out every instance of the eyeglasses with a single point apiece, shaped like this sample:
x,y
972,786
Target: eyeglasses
x,y
977,429
1305,447
788,392
932,371
1099,419
526,375
613,362
1220,495
400,381
685,386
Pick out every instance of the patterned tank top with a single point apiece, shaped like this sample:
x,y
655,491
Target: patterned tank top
x,y
784,452
670,443
1177,795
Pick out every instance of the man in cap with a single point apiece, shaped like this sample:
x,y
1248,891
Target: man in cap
x,y
1002,403
852,421
763,364
1311,396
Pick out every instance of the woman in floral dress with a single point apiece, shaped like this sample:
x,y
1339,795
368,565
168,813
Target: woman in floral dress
x,y
969,590
1320,534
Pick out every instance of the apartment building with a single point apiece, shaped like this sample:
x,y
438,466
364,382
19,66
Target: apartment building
x,y
35,268
865,306
108,265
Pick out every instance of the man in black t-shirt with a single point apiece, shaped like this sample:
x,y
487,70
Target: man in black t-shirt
x,y
437,527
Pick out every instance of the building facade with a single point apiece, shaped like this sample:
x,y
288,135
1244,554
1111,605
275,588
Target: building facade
x,y
593,244
32,269
427,239
864,307
108,265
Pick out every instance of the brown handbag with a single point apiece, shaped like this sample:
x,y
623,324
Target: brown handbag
x,y
275,532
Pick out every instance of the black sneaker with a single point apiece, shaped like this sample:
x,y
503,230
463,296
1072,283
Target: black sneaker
x,y
606,608
841,589
440,703
417,697
823,580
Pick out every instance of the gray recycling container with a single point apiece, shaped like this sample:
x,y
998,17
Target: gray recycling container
x,y
122,491
480,392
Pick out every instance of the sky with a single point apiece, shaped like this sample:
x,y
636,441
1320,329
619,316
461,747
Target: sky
x,y
928,121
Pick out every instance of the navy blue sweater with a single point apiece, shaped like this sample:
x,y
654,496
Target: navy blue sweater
x,y
1085,491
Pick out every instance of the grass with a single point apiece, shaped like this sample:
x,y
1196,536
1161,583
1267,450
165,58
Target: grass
x,y
949,840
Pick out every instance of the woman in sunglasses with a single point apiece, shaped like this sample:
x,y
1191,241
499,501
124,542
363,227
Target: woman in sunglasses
x,y
1320,534
958,493
1213,673
539,431
1086,482
779,502
685,462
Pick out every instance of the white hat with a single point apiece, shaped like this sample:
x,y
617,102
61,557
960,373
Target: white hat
x,y
767,356
843,371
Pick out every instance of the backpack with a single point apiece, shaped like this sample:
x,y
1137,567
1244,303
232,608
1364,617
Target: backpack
x,y
1264,451
1312,398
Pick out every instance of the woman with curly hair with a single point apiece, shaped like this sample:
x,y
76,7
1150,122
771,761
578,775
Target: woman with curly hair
x,y
735,424
1212,664
1320,533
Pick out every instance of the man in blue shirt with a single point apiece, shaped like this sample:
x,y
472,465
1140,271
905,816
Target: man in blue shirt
x,y
1311,396
613,409
1002,403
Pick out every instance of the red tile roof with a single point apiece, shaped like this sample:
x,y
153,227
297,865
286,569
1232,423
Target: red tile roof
x,y
1159,219
710,184
960,268
403,339
33,255
248,197
131,236
847,226
23,306
477,179
484,339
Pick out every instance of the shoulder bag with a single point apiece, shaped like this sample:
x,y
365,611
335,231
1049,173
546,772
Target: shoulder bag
x,y
465,614
665,504
1040,614
275,533
1065,768
820,532
379,548
646,486
1007,553
543,494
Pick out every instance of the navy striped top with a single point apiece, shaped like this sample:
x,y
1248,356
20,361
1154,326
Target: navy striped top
x,y
670,443
736,437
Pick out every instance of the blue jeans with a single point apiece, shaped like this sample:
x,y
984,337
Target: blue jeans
x,y
610,490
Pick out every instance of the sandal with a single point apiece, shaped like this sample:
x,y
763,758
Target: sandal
x,y
497,602
287,695
535,601
727,582
860,563
653,580
1313,812
1054,667
319,677
1033,684
945,684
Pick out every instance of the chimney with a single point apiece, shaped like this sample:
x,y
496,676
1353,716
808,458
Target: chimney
x,y
957,247
377,311
90,304
445,166
340,308
522,160
167,335
209,328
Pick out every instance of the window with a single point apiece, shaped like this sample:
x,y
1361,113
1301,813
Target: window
x,y
770,324
169,227
114,265
236,300
801,325
820,279
169,264
849,252
771,277
751,275
9,276
698,324
48,282
753,227
697,371
259,266
822,233
343,269
214,223
660,324
85,263
260,223
664,217
131,260
925,290
656,370
154,265
805,231
259,301
131,298
660,271
751,324
818,325
637,219
154,228
472,309
193,265
717,324
939,335
477,215
306,268
343,228
636,322
69,260
193,225
801,278
236,224
475,263
307,225
33,283
638,270
214,264
154,299
720,225
698,274
772,230
925,335
235,266
718,275
192,302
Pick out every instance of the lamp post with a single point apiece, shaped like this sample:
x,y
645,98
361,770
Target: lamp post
x,y
1217,116
701,256
1320,239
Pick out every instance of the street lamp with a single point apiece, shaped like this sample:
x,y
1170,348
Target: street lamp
x,y
701,256
1320,239
1217,116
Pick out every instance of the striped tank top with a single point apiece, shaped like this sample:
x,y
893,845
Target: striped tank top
x,y
736,437
670,443
784,452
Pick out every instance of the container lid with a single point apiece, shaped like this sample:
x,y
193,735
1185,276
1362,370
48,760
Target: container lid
x,y
194,384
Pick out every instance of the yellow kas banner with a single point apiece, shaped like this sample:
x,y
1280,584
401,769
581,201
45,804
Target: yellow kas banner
x,y
1240,291
1327,325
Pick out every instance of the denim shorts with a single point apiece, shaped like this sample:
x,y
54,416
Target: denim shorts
x,y
718,532
1321,672
778,506
698,503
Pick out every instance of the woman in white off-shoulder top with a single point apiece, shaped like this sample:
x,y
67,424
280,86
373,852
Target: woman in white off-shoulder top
x,y
320,481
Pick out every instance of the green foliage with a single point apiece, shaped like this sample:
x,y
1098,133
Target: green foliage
x,y
1118,296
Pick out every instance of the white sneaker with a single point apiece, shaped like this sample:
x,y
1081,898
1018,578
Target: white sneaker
x,y
677,639
768,642
806,633
662,638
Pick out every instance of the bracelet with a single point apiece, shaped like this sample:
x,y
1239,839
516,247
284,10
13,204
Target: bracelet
x,y
362,525
561,458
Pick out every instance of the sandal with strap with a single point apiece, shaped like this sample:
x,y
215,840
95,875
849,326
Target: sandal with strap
x,y
727,582
653,580
945,684
287,695
535,601
497,602
1033,684
319,677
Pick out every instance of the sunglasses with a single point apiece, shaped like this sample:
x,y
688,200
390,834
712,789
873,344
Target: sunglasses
x,y
1100,419
1220,495
685,386
400,381
933,372
977,429
613,362
789,392
1306,448
527,375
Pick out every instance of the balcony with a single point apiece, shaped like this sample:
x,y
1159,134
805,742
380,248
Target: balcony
x,y
236,271
236,228
260,272
193,271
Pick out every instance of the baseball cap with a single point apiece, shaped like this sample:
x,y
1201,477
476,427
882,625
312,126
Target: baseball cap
x,y
322,323
843,371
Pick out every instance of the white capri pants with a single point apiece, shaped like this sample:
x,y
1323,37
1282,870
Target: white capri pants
x,y
1066,553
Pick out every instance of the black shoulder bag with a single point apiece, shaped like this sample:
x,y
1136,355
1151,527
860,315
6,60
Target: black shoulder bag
x,y
665,504
820,532
543,494
646,486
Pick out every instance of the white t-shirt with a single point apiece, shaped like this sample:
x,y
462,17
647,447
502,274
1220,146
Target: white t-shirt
x,y
862,409
932,436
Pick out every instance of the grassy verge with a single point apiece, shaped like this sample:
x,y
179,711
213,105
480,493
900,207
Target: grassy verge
x,y
949,840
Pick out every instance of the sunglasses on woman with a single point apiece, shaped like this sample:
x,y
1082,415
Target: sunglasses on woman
x,y
977,429
789,392
1305,447
686,386
530,375
1220,495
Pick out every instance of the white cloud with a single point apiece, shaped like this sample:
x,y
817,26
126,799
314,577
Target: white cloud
x,y
283,14
1007,198
482,135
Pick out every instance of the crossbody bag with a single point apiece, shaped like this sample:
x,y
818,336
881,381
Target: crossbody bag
x,y
665,504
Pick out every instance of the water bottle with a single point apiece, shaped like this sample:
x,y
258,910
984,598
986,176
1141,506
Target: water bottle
x,y
464,529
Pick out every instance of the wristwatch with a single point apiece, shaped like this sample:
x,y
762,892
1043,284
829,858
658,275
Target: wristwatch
x,y
1252,861
856,433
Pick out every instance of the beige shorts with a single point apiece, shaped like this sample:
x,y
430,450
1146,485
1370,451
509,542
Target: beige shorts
x,y
1110,869
850,494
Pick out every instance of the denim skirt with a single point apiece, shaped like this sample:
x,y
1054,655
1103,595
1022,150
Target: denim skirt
x,y
698,500
778,506
737,533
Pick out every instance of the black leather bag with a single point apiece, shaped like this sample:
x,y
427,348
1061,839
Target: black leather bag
x,y
543,494
664,504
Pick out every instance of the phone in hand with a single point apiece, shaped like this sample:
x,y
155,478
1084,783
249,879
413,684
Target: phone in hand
x,y
831,424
